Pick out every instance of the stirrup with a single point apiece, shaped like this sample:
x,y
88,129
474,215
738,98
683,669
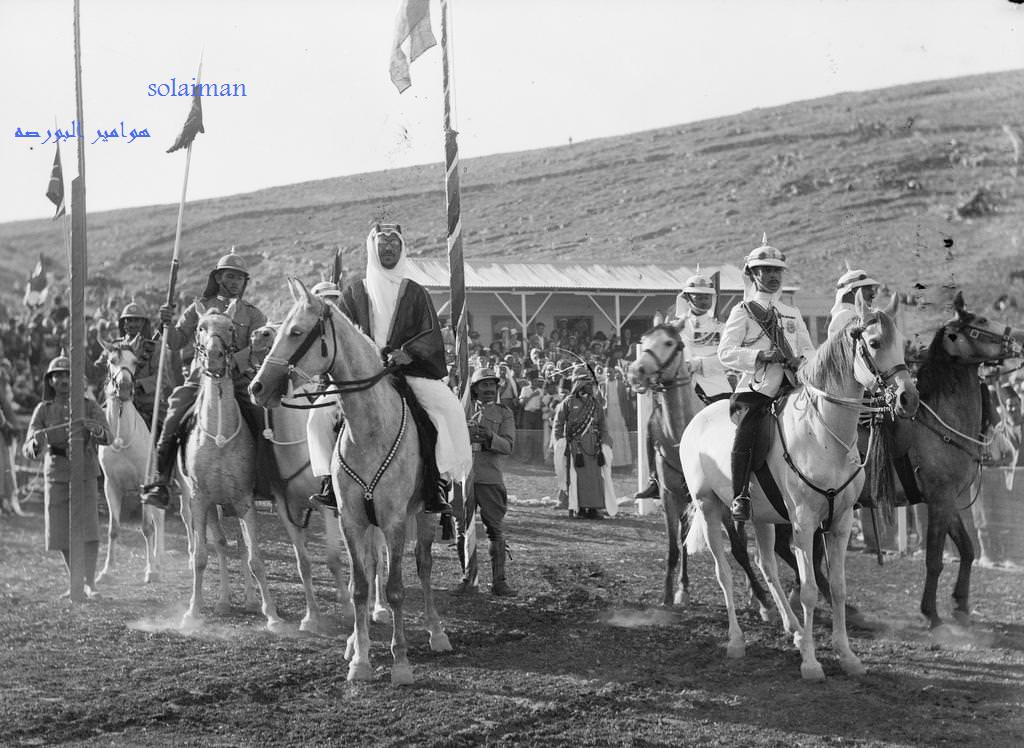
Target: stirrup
x,y
740,509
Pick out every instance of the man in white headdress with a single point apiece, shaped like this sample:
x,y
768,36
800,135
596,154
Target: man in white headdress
x,y
851,284
397,313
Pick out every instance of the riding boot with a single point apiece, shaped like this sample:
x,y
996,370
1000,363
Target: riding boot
x,y
499,587
652,491
326,496
435,499
157,493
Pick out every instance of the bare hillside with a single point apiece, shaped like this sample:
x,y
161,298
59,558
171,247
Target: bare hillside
x,y
917,183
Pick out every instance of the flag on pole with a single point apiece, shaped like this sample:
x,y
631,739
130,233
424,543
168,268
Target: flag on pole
x,y
413,23
55,190
193,123
36,288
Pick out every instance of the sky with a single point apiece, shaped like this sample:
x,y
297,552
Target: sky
x,y
528,74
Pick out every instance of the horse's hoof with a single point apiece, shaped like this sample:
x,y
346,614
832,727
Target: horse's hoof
x,y
401,675
682,599
360,671
222,608
190,622
768,615
103,575
382,615
350,648
310,626
439,642
152,576
852,666
812,671
735,651
962,618
276,625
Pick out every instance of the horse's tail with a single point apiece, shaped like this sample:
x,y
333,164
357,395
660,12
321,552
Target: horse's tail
x,y
697,538
881,483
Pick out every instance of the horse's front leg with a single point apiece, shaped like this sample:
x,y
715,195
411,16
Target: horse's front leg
x,y
837,539
764,534
962,590
936,540
153,533
193,616
714,513
357,648
401,670
256,567
113,496
311,621
424,565
803,540
674,593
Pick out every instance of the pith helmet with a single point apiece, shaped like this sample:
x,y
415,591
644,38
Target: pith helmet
x,y
699,284
134,310
230,261
59,364
853,279
483,374
764,256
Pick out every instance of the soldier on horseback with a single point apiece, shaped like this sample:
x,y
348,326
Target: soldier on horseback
x,y
766,341
226,284
136,331
397,313
851,284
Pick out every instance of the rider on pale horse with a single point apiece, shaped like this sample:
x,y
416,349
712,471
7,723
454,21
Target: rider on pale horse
x,y
137,333
398,315
701,332
324,423
851,284
225,285
766,341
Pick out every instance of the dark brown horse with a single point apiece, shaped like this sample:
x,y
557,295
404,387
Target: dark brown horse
x,y
943,444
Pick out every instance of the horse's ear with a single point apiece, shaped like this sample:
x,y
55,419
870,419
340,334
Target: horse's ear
x,y
861,306
958,303
200,307
659,319
106,346
299,290
893,306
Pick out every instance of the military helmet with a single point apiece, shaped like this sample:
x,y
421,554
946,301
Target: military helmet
x,y
699,284
134,309
61,363
230,261
764,256
483,374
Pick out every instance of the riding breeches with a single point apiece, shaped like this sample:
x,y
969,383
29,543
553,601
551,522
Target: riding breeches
x,y
322,427
752,406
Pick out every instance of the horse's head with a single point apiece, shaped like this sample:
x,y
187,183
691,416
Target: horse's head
x,y
299,347
973,339
260,341
215,340
661,361
878,361
121,362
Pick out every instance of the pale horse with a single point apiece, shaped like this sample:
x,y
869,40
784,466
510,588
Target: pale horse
x,y
814,459
218,467
376,465
123,461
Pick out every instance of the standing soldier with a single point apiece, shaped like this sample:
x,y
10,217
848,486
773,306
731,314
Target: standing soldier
x,y
492,434
225,284
766,341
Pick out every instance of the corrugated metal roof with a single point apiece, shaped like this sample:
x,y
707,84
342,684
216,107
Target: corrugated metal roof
x,y
507,276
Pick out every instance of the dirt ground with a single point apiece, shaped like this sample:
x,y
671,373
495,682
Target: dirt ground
x,y
585,655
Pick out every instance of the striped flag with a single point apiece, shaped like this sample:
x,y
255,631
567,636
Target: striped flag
x,y
55,190
413,24
193,123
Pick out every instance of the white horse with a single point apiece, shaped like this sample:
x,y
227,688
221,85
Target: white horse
x,y
123,461
813,457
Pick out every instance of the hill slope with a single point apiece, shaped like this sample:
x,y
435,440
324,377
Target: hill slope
x,y
875,178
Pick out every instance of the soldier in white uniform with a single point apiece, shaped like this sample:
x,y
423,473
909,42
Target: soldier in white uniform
x,y
701,332
766,341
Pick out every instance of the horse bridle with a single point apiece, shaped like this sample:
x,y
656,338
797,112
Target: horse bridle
x,y
1008,347
663,367
229,350
882,378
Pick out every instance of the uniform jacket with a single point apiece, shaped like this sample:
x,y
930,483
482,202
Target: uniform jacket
x,y
487,462
56,465
743,337
247,318
702,334
414,326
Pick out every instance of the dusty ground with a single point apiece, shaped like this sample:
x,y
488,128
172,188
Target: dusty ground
x,y
584,656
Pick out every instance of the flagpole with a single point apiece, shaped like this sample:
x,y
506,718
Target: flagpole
x,y
79,509
453,201
172,284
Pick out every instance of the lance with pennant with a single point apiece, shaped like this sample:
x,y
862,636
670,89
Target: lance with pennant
x,y
193,126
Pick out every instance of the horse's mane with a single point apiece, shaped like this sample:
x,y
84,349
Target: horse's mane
x,y
939,373
318,308
833,360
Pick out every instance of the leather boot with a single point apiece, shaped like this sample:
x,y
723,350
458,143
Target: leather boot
x,y
499,587
651,492
326,496
436,501
157,493
740,509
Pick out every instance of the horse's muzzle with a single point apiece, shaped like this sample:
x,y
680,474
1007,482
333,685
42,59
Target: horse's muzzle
x,y
907,399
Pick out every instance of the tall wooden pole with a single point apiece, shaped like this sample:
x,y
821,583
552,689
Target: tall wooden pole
x,y
79,508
